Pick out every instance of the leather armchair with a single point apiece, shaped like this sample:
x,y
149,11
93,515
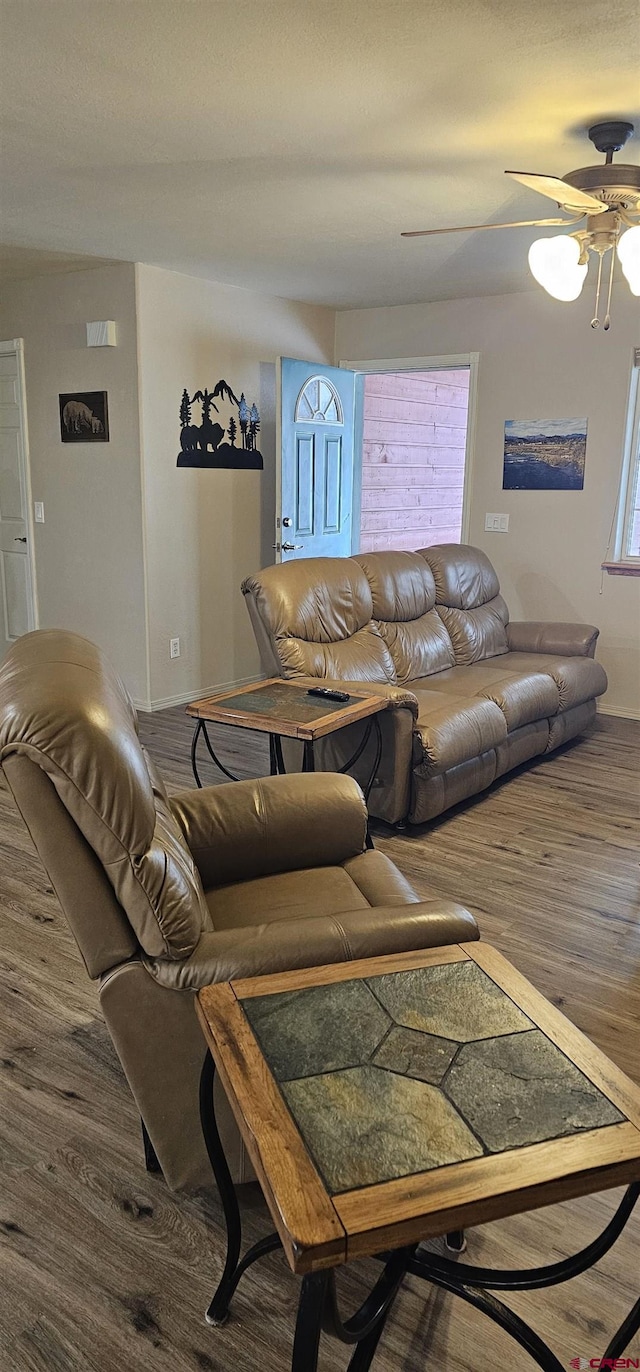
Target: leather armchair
x,y
167,895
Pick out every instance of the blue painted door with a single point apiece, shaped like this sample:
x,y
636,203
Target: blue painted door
x,y
314,496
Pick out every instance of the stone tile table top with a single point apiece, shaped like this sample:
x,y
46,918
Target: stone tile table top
x,y
414,1094
285,707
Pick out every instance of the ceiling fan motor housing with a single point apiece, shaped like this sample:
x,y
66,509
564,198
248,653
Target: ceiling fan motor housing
x,y
617,185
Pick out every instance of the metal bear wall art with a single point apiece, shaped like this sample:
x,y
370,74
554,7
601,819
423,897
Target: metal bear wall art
x,y
211,444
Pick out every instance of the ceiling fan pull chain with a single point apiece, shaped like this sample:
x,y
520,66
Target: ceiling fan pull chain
x,y
595,322
607,318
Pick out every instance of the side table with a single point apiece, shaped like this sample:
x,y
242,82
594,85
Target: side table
x,y
452,1095
284,709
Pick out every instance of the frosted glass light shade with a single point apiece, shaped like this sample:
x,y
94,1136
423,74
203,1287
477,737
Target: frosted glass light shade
x,y
629,254
554,263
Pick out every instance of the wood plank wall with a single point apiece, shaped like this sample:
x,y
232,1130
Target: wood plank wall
x,y
413,452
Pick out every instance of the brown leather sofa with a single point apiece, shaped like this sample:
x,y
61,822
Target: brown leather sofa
x,y
470,695
165,896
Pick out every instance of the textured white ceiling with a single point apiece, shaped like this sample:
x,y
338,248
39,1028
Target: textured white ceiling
x,y
283,144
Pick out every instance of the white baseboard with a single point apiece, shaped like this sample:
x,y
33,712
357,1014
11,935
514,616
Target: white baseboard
x,y
618,711
165,702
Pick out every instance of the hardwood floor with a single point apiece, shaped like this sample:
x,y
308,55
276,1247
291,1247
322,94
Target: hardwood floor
x,y
104,1269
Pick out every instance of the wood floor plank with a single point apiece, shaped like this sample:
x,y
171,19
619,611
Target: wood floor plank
x,y
103,1268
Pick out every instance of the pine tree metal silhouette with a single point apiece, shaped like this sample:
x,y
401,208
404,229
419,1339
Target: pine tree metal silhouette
x,y
243,416
185,409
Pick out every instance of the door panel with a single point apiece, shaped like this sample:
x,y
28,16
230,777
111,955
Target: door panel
x,y
10,464
304,484
315,460
16,583
332,485
16,593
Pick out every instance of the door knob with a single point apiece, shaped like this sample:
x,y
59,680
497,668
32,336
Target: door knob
x,y
291,547
286,523
19,540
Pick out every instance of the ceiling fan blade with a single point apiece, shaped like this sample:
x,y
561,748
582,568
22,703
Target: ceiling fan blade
x,y
472,228
560,191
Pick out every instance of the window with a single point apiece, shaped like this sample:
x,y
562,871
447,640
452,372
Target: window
x,y
627,544
318,403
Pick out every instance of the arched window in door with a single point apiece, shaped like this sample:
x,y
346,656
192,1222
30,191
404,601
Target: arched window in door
x,y
318,403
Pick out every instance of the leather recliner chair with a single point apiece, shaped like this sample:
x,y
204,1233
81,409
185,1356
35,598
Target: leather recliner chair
x,y
165,896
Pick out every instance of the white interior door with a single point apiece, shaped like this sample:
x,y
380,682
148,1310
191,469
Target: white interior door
x,y
17,578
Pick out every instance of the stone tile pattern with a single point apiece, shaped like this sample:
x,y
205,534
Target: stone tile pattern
x,y
409,1071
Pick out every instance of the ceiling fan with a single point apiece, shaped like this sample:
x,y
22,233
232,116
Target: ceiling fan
x,y
607,196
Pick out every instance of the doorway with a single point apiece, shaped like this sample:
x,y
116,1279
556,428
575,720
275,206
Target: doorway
x,y
414,438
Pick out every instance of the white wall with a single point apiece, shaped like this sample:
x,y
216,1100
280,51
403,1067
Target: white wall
x,y
89,550
207,529
538,360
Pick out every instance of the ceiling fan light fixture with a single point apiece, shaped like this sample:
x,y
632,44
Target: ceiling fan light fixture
x,y
555,265
629,256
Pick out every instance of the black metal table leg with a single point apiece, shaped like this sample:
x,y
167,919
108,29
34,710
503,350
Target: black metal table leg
x,y
273,756
623,1336
201,728
476,1284
218,1310
376,761
311,1305
279,756
194,744
308,758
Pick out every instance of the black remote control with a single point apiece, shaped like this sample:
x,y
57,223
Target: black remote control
x,y
328,694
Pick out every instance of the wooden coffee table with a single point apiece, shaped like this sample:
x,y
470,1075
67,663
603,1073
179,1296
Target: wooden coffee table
x,y
387,1101
284,709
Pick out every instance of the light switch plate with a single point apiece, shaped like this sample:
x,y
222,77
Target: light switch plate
x,y
496,523
38,511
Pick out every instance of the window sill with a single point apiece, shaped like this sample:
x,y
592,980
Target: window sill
x,y
621,568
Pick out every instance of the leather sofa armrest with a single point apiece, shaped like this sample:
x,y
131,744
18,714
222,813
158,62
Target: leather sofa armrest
x,y
273,824
397,697
287,944
535,636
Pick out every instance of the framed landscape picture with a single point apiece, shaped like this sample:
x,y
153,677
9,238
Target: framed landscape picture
x,y
84,417
544,454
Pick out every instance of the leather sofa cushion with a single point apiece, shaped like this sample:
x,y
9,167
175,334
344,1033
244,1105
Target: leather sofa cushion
x,y
362,657
402,585
418,647
317,613
287,895
369,878
478,633
403,594
318,599
522,697
578,679
456,730
63,706
464,577
468,601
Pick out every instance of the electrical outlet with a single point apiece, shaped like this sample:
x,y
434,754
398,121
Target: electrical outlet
x,y
38,511
174,647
